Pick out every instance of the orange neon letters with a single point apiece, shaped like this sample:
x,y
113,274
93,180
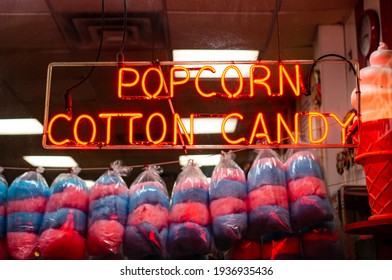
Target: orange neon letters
x,y
280,122
180,82
50,129
121,77
179,124
312,115
197,78
223,82
93,129
148,128
259,119
343,124
223,130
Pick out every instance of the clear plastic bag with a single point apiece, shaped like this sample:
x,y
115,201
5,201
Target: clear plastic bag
x,y
309,200
26,201
64,227
322,242
189,232
107,216
3,217
228,195
148,216
267,199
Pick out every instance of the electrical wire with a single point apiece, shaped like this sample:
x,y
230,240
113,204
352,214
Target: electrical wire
x,y
120,54
67,94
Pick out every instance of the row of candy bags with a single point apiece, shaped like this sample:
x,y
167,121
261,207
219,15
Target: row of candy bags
x,y
68,221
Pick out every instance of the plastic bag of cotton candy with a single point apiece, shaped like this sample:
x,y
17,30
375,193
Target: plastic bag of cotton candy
x,y
108,206
64,227
3,217
189,232
228,194
267,199
147,223
26,201
308,196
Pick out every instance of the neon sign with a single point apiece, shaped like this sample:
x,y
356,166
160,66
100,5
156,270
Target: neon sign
x,y
142,89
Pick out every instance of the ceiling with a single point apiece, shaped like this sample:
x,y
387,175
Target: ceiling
x,y
37,32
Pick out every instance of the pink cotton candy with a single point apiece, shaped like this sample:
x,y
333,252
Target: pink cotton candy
x,y
268,195
306,186
190,182
56,244
71,197
227,205
190,212
233,174
35,204
104,237
22,245
155,215
2,210
98,191
139,186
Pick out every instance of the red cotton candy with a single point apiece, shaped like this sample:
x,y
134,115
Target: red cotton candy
x,y
190,212
306,186
56,244
98,191
71,197
285,246
268,195
155,215
245,250
22,245
231,174
227,205
104,237
35,204
2,210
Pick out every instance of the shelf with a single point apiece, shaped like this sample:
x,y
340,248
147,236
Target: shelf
x,y
379,227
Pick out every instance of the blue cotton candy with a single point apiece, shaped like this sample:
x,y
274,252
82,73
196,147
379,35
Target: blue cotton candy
x,y
144,241
309,211
190,195
227,188
62,184
22,189
265,174
2,226
3,192
58,218
188,238
304,167
229,229
24,222
111,207
268,219
148,194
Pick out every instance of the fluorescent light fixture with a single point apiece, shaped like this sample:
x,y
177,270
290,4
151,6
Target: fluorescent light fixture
x,y
20,126
201,160
215,55
210,125
51,161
